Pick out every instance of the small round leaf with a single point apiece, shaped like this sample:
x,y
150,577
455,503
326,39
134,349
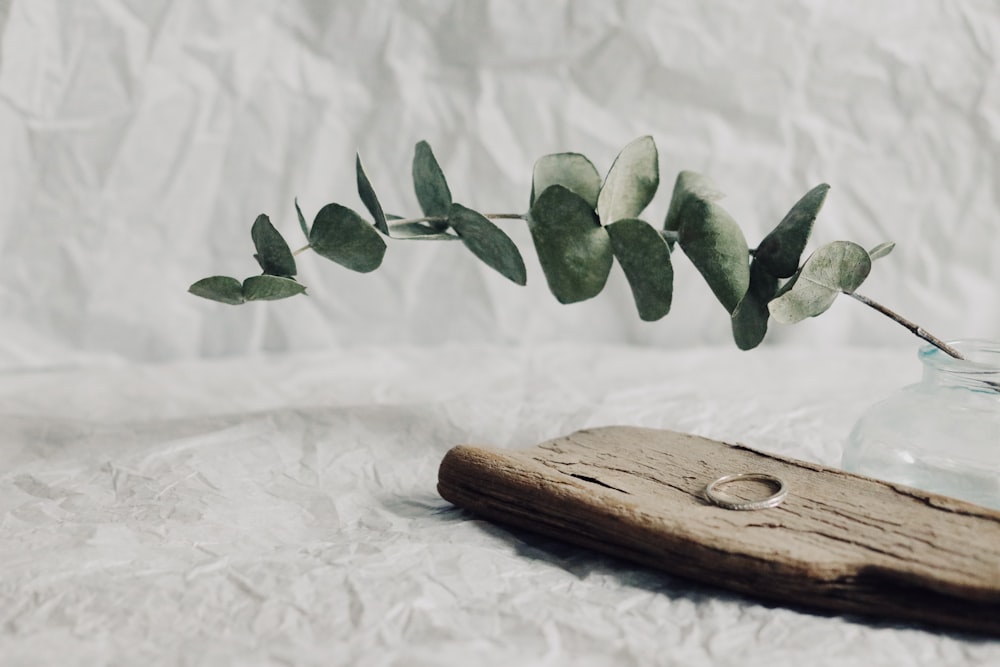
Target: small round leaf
x,y
881,250
749,319
645,258
270,288
302,219
631,182
716,246
837,267
418,231
369,198
273,253
688,184
219,288
430,184
570,170
488,242
573,248
343,236
780,251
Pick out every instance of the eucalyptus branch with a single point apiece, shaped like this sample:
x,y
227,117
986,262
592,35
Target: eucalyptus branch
x,y
913,327
580,224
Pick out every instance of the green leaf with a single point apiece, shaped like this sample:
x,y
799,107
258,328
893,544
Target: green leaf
x,y
837,267
688,184
780,251
369,198
881,250
341,235
715,245
749,319
219,288
430,185
273,254
631,182
488,242
420,232
302,219
270,288
645,258
570,170
573,248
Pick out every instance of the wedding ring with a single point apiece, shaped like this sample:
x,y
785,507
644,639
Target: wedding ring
x,y
730,503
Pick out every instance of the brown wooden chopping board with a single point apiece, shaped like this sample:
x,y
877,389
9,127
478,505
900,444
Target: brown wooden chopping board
x,y
838,542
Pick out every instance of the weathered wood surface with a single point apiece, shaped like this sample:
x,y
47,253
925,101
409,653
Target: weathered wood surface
x,y
839,542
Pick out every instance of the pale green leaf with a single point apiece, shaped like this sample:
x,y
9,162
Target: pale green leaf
x,y
341,235
837,267
369,198
881,250
273,254
631,182
570,170
716,246
645,258
219,288
270,288
430,185
573,248
780,251
488,242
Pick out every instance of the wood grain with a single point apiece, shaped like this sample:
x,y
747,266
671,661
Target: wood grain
x,y
839,542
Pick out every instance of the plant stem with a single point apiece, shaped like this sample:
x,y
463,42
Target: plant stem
x,y
302,249
916,330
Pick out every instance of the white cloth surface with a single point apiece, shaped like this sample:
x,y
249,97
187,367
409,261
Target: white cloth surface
x,y
142,137
282,510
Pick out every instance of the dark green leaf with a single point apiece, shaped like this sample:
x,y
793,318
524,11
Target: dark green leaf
x,y
270,288
780,251
688,184
881,250
631,182
370,199
341,235
273,253
418,231
570,170
219,288
302,219
573,248
488,242
750,317
837,267
715,245
645,258
430,185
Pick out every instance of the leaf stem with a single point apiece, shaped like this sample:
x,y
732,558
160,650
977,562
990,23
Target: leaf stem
x,y
916,330
302,249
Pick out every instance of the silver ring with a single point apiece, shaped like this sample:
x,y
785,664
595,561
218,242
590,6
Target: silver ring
x,y
728,502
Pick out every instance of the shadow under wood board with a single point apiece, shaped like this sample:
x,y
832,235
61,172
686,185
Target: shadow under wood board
x,y
838,542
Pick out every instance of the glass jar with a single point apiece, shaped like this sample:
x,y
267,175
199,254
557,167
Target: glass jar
x,y
941,434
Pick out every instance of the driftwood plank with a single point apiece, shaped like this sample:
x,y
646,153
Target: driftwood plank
x,y
838,542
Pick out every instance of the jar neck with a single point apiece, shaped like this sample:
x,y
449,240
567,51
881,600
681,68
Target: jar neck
x,y
979,371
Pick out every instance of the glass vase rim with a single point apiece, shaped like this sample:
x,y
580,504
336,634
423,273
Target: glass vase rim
x,y
937,358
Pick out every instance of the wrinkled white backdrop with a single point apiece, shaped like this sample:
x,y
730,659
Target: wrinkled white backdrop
x,y
141,138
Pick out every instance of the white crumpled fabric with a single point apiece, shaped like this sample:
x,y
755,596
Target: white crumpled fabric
x,y
283,511
183,482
